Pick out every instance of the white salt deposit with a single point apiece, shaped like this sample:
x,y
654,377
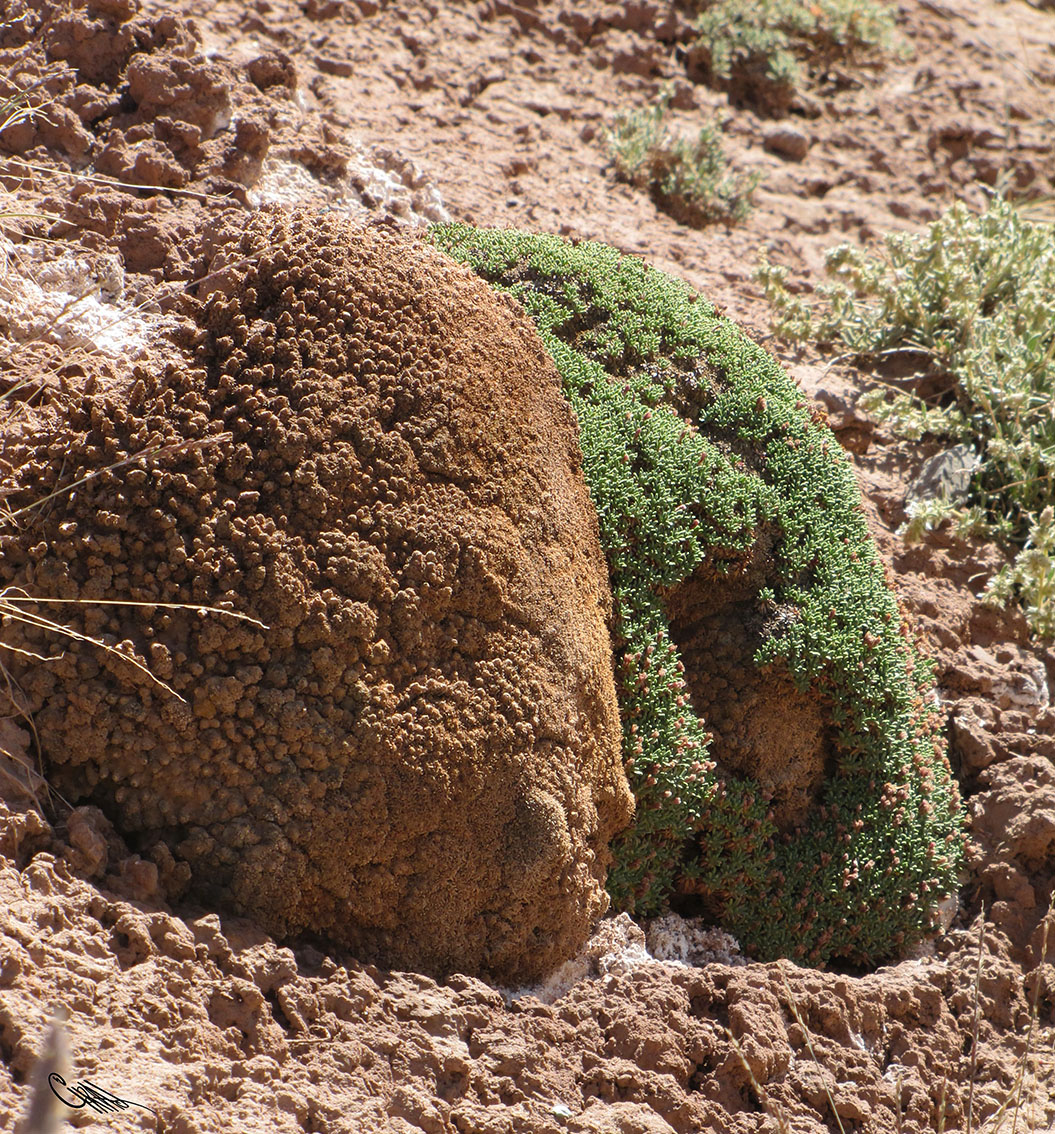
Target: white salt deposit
x,y
379,181
74,301
619,945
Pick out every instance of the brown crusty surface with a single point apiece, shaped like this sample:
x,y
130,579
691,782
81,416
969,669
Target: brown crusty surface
x,y
418,758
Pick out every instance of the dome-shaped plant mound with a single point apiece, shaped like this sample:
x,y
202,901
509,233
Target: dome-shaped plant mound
x,y
408,744
777,729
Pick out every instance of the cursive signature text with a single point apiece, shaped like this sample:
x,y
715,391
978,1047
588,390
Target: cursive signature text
x,y
86,1093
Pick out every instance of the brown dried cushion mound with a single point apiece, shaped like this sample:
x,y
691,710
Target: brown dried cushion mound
x,y
419,758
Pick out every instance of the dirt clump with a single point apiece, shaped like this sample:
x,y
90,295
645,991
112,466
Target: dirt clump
x,y
127,106
414,750
216,1027
765,728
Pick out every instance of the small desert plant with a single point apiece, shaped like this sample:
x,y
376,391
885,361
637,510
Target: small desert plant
x,y
688,179
976,295
761,51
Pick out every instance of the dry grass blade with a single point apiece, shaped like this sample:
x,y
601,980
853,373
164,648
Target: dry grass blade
x,y
1040,210
202,609
809,1047
12,214
770,1107
942,1109
975,1023
14,614
42,1115
19,106
10,610
97,179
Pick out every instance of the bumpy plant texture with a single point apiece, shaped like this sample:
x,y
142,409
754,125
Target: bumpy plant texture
x,y
762,50
976,293
719,495
415,750
690,180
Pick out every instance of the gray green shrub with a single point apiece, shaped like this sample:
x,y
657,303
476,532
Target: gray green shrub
x,y
761,51
977,295
695,441
691,180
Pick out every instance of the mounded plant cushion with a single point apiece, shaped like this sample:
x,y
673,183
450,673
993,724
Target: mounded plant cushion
x,y
777,728
367,450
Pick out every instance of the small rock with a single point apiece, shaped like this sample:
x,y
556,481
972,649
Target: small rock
x,y
88,842
1010,885
787,141
136,879
834,394
683,95
946,476
331,65
323,9
273,68
972,740
851,1107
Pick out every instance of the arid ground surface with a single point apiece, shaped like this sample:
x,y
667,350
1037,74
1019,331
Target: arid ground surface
x,y
493,113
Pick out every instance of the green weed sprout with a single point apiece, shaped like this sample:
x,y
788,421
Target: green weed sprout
x,y
688,179
698,450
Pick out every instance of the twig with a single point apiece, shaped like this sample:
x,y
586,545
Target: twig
x,y
977,1021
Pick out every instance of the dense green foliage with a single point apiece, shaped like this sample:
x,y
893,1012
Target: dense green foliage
x,y
761,50
688,179
977,295
694,441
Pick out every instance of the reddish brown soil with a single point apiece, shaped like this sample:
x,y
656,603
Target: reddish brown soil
x,y
493,113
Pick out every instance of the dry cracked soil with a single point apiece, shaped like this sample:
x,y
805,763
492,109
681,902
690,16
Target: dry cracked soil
x,y
493,112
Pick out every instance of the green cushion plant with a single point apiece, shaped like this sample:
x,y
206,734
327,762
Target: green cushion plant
x,y
699,451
